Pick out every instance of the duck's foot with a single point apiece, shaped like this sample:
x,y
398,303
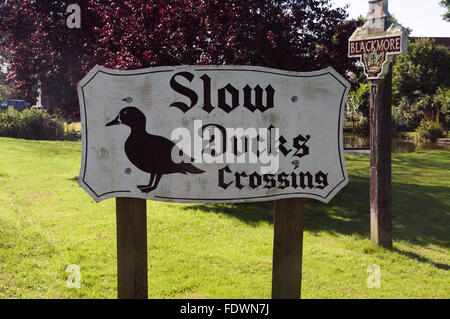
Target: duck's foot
x,y
152,185
146,188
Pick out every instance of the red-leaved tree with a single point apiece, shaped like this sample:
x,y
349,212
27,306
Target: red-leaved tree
x,y
39,47
293,35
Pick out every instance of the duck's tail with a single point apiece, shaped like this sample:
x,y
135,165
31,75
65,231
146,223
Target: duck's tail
x,y
191,169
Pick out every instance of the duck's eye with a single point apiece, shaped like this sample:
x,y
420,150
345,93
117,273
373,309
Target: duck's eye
x,y
124,112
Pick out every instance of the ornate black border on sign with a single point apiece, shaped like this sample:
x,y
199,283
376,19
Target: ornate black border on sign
x,y
119,193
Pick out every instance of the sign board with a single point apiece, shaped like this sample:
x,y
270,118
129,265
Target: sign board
x,y
212,134
375,44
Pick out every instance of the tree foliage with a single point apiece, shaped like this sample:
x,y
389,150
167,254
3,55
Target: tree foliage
x,y
8,91
286,34
358,107
430,130
443,97
418,78
422,71
358,101
446,5
40,47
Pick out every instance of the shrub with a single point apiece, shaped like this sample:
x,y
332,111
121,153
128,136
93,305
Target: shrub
x,y
443,97
405,115
30,124
430,130
358,109
72,131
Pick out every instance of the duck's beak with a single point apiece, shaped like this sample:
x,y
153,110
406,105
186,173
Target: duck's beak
x,y
116,121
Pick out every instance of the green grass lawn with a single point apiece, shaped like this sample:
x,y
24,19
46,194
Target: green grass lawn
x,y
218,251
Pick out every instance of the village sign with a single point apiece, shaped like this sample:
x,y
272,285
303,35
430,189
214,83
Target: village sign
x,y
212,134
376,46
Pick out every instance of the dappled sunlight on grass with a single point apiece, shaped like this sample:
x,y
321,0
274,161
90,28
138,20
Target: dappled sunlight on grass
x,y
218,251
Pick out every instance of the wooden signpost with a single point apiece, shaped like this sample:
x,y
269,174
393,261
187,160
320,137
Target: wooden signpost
x,y
375,43
212,134
131,223
287,248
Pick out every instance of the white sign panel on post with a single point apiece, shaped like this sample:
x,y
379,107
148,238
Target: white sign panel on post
x,y
212,134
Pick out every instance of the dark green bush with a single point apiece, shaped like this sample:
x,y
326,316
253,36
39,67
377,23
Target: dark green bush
x,y
430,130
30,124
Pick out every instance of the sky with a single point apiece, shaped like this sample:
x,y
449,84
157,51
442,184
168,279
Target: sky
x,y
424,17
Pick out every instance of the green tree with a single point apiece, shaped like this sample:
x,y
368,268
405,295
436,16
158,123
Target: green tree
x,y
443,97
422,71
358,107
446,5
8,91
417,77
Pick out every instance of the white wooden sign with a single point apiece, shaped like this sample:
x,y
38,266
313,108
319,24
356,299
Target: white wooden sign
x,y
212,134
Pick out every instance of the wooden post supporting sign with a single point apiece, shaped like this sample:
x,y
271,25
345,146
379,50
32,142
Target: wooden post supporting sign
x,y
380,141
375,43
287,248
131,218
380,162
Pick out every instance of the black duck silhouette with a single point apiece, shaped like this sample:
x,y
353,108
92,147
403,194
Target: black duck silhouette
x,y
150,153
